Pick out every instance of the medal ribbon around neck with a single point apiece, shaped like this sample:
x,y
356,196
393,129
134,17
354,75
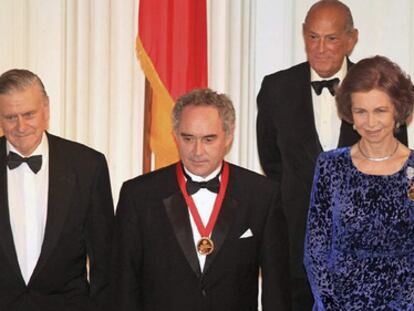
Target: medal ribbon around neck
x,y
204,231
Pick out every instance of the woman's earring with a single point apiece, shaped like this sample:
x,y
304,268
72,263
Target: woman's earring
x,y
397,125
354,127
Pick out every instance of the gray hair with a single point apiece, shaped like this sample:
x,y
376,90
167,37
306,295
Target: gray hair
x,y
18,80
209,98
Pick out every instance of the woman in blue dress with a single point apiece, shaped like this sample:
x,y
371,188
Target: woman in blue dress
x,y
359,246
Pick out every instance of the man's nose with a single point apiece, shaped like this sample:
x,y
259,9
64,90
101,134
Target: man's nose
x,y
21,124
321,45
198,148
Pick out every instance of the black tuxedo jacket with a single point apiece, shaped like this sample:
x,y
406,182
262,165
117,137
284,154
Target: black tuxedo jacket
x,y
155,263
288,146
79,223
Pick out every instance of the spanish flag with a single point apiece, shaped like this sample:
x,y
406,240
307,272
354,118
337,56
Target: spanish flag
x,y
172,49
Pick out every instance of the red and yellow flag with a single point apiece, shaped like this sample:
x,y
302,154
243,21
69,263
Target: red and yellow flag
x,y
172,49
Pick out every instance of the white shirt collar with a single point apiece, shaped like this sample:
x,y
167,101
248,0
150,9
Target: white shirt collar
x,y
340,74
41,149
199,178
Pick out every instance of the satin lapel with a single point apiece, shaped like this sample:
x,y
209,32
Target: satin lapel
x,y
305,118
61,194
222,227
6,235
177,212
348,136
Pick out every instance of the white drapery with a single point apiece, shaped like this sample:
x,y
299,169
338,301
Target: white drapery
x,y
84,50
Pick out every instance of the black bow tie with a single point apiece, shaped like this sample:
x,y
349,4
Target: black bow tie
x,y
34,162
193,186
330,84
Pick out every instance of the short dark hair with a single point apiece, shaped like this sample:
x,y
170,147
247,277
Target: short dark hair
x,y
378,73
18,80
323,3
206,97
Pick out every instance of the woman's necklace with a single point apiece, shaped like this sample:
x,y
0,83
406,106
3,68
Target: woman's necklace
x,y
378,159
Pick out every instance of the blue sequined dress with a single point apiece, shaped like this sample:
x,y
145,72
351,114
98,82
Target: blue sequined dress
x,y
359,245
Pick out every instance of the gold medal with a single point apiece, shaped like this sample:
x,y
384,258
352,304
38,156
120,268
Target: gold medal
x,y
410,192
205,246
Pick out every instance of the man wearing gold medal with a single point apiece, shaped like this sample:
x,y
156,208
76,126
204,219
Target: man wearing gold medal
x,y
193,236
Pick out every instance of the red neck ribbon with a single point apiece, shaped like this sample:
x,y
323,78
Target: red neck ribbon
x,y
204,231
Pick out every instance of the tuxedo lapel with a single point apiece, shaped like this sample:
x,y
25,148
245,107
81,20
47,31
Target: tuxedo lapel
x,y
303,116
306,120
61,194
178,215
177,212
221,228
6,235
348,136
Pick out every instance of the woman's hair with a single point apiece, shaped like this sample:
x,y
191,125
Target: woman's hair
x,y
381,74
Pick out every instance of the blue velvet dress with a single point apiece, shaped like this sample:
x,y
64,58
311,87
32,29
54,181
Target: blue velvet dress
x,y
359,245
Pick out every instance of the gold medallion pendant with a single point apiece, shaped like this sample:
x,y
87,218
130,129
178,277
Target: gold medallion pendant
x,y
205,246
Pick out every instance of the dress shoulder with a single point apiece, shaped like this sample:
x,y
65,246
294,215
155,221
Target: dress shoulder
x,y
338,156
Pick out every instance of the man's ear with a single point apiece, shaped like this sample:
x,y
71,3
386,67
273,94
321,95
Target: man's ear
x,y
229,139
174,135
303,30
352,41
47,107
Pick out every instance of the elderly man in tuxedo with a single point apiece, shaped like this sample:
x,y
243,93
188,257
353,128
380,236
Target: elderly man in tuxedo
x,y
56,208
297,119
192,236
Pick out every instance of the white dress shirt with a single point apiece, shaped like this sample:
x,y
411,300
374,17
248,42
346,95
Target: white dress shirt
x,y
27,196
204,200
327,121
